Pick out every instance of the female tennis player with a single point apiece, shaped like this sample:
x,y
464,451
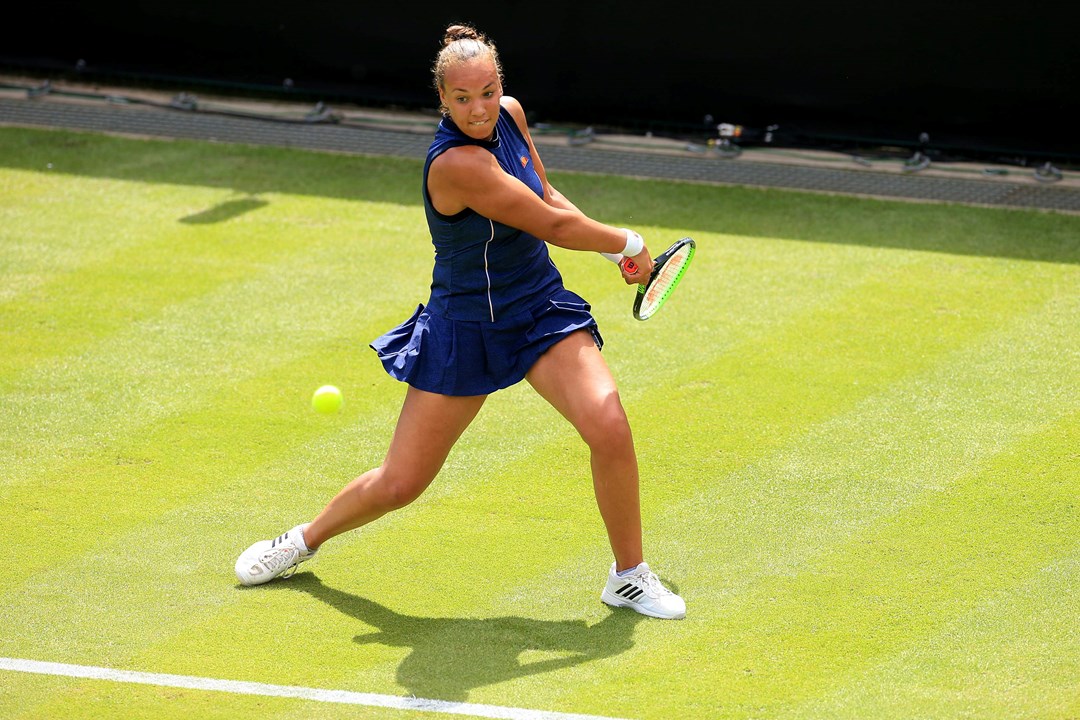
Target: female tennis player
x,y
497,314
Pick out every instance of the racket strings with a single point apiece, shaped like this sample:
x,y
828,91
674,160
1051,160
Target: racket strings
x,y
665,281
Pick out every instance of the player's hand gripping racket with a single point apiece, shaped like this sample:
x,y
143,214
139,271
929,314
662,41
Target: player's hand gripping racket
x,y
668,269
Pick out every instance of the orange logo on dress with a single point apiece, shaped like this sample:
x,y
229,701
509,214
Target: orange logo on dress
x,y
524,160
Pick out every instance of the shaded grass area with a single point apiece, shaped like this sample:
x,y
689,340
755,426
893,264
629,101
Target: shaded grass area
x,y
857,425
249,172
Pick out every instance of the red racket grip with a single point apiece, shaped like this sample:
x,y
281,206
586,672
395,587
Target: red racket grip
x,y
629,266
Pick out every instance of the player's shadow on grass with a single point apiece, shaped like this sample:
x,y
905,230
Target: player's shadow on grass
x,y
451,656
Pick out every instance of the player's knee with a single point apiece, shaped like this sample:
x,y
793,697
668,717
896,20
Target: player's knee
x,y
395,492
607,426
400,495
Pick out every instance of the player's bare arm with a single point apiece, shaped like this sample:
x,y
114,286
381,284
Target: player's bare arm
x,y
470,177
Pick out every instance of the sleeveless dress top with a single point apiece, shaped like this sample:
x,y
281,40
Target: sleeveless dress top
x,y
497,300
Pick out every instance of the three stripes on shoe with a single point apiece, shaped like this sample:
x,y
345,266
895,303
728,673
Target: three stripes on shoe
x,y
629,591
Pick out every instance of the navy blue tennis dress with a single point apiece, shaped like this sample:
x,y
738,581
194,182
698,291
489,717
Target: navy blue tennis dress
x,y
497,300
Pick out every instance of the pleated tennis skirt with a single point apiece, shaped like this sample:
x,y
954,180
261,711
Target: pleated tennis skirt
x,y
462,357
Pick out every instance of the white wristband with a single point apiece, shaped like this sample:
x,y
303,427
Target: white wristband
x,y
634,243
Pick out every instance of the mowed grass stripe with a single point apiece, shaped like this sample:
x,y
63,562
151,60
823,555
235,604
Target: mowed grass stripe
x,y
48,228
791,645
894,581
826,358
153,367
245,170
1009,533
770,524
762,501
822,363
982,667
179,460
137,258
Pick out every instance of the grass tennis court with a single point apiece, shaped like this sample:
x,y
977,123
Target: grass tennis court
x,y
858,424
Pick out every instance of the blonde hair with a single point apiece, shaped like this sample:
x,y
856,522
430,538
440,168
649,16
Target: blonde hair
x,y
460,44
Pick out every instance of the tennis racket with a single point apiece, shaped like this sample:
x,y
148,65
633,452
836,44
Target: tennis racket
x,y
668,269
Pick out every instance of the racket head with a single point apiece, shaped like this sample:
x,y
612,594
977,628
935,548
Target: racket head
x,y
668,269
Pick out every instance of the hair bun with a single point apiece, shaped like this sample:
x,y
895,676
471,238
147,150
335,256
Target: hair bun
x,y
461,32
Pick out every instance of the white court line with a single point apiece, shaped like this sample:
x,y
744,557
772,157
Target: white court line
x,y
238,687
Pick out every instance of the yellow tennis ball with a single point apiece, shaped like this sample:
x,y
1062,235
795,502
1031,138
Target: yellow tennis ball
x,y
327,399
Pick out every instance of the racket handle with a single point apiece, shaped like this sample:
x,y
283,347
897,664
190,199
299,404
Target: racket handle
x,y
624,262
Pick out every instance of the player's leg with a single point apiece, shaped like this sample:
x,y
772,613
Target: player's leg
x,y
575,379
427,429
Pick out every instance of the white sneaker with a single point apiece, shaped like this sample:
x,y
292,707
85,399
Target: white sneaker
x,y
268,559
642,591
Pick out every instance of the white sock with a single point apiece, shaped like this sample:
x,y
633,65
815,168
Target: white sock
x,y
300,539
